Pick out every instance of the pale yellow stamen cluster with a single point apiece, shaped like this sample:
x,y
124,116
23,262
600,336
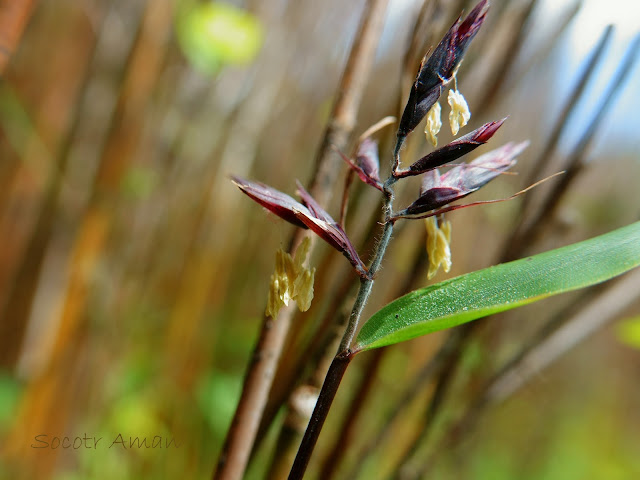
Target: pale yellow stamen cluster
x,y
438,240
434,124
460,114
291,281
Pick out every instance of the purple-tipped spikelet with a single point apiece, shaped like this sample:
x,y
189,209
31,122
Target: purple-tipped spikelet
x,y
438,70
439,190
452,151
310,215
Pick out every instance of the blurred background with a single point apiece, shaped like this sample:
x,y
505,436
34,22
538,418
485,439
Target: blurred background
x,y
134,275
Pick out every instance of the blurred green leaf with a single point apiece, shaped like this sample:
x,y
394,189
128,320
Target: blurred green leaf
x,y
69,476
217,396
18,128
628,331
139,182
502,287
212,35
498,465
135,415
9,395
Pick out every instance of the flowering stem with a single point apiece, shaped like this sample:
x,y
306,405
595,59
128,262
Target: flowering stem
x,y
259,379
345,354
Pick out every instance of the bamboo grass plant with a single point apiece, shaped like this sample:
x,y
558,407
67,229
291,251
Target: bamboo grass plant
x,y
131,265
418,313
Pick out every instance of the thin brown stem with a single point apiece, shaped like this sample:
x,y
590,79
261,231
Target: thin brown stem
x,y
561,124
337,369
561,23
349,428
309,353
435,403
531,231
14,16
345,197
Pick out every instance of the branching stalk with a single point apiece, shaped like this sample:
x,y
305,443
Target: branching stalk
x,y
344,355
241,436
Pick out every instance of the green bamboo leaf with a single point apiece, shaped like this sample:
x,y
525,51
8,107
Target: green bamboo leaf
x,y
502,287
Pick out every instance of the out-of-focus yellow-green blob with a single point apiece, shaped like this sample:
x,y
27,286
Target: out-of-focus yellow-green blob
x,y
628,331
215,34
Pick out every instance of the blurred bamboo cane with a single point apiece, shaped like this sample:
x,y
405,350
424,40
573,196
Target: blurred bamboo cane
x,y
14,16
50,398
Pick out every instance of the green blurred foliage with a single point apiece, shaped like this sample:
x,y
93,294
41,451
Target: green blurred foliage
x,y
628,331
216,34
139,182
16,123
109,463
136,413
217,395
559,442
10,390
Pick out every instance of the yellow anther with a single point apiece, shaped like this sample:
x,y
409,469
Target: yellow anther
x,y
460,114
438,240
291,281
434,124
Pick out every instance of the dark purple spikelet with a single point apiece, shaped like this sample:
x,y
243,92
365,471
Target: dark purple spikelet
x,y
273,200
437,70
486,167
452,151
310,215
439,190
314,207
470,26
368,160
368,164
321,223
